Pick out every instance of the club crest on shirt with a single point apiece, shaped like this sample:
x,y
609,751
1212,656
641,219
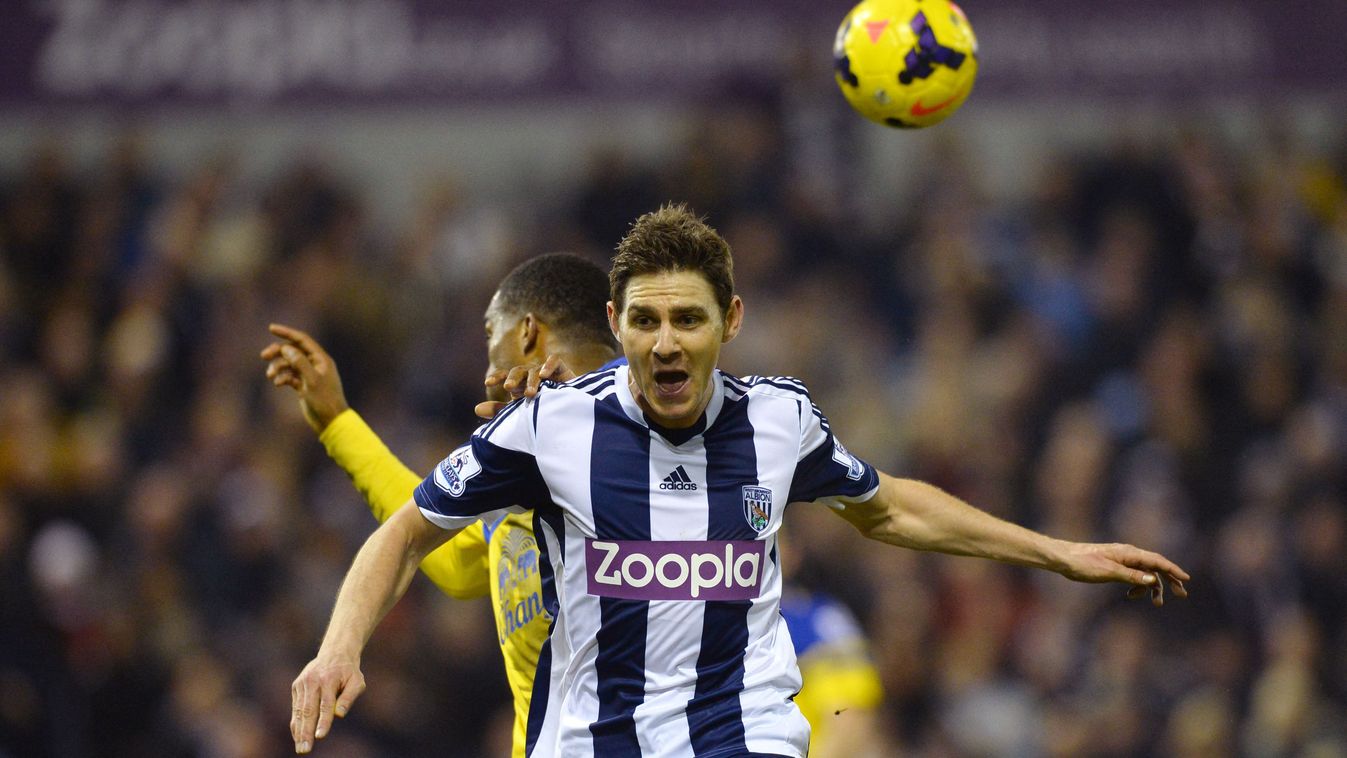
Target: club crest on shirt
x,y
855,470
757,507
453,473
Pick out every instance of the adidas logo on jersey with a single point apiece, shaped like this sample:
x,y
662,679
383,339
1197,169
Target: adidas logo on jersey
x,y
678,480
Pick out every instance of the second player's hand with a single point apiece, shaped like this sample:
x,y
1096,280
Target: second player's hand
x,y
523,381
297,360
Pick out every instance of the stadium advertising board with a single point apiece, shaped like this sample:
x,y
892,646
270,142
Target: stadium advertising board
x,y
150,53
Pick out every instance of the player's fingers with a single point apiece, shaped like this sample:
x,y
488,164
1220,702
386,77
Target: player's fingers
x,y
349,693
294,713
270,351
552,367
555,368
288,333
1177,586
301,341
1137,578
1147,560
277,365
299,363
282,375
308,704
515,381
326,700
495,378
1144,561
308,344
488,409
535,380
1158,593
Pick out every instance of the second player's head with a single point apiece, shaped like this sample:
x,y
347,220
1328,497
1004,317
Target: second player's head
x,y
673,306
551,304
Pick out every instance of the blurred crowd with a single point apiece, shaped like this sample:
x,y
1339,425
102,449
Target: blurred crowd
x,y
1147,344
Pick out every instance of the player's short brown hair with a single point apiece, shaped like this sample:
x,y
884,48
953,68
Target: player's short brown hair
x,y
673,238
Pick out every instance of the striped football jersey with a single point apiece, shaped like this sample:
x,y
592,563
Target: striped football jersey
x,y
660,563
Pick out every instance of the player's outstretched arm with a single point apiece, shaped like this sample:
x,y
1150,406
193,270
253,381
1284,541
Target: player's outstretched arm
x,y
298,361
917,515
383,568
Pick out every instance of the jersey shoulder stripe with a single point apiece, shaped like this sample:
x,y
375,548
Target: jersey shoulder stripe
x,y
582,394
735,382
580,382
775,385
788,381
485,431
734,389
599,390
791,384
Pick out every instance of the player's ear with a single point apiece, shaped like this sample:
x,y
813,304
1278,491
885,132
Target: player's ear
x,y
530,333
612,319
734,319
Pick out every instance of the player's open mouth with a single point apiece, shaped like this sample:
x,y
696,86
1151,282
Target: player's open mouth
x,y
670,384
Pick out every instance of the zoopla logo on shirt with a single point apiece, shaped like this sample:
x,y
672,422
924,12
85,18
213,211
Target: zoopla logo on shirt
x,y
675,569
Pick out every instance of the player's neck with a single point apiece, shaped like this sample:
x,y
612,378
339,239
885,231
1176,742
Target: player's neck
x,y
586,359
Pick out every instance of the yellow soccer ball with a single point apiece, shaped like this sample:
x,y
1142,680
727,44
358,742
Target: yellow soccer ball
x,y
905,63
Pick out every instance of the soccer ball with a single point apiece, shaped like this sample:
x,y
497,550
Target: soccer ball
x,y
905,63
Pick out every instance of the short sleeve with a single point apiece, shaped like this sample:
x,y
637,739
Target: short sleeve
x,y
494,471
826,469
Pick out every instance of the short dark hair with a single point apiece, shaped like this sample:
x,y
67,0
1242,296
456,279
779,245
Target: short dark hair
x,y
565,291
673,238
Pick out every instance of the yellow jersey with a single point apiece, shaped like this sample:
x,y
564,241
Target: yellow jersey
x,y
835,663
499,559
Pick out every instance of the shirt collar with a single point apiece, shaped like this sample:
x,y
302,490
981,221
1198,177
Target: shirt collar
x,y
675,436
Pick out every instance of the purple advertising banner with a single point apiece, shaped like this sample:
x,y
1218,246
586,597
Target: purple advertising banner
x,y
149,53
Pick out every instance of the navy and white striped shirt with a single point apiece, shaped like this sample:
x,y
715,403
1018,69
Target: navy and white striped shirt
x,y
660,563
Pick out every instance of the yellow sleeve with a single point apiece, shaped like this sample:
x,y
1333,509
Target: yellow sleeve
x,y
834,683
838,676
459,568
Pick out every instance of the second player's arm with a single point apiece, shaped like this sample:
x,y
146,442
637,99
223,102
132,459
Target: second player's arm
x,y
917,515
377,579
456,568
296,360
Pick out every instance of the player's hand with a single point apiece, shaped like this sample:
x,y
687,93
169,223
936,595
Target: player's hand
x,y
297,360
325,688
523,381
1147,572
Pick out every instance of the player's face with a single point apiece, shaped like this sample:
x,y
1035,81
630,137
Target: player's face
x,y
671,330
503,346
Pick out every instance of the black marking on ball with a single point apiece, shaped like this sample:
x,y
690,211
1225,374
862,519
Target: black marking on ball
x,y
843,65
